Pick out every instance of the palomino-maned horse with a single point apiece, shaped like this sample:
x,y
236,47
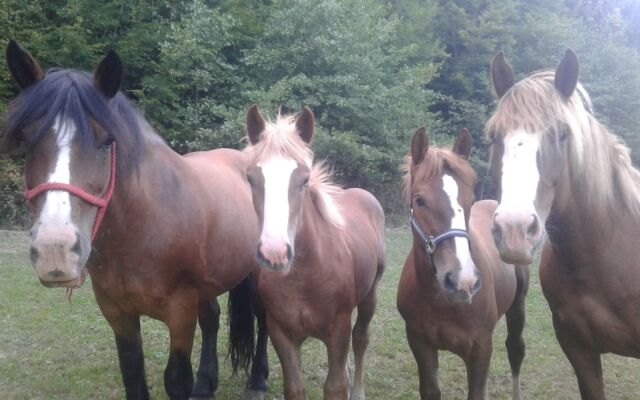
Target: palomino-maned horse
x,y
322,252
561,171
454,287
160,234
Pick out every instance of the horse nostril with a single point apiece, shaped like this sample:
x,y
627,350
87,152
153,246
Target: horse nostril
x,y
56,273
449,282
33,255
289,253
534,227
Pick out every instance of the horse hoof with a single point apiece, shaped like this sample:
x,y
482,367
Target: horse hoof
x,y
250,394
357,395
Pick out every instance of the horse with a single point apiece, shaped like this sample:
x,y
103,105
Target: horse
x,y
568,186
454,287
321,251
160,234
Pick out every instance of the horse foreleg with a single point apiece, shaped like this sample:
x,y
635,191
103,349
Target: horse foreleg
x,y
478,363
337,343
257,385
586,363
426,357
288,350
207,376
360,340
515,317
181,318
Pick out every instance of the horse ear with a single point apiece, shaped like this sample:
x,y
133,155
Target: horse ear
x,y
419,145
304,124
25,70
109,74
255,124
463,144
566,78
501,74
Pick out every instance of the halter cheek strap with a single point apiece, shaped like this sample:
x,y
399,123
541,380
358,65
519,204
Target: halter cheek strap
x,y
431,242
100,202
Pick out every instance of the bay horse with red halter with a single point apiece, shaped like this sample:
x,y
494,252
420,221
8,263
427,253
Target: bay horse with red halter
x,y
566,178
321,249
160,234
454,287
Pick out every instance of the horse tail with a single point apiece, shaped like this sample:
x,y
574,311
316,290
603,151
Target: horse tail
x,y
242,301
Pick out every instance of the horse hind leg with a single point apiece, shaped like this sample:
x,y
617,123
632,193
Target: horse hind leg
x,y
178,375
257,384
207,376
515,317
360,341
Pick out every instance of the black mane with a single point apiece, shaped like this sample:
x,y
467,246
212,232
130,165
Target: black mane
x,y
72,95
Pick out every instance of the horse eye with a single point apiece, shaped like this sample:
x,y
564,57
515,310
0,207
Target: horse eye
x,y
420,202
564,135
109,142
306,182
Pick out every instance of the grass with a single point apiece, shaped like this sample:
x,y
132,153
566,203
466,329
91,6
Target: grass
x,y
50,349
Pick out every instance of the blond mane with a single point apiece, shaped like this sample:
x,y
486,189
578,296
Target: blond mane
x,y
281,138
434,164
597,159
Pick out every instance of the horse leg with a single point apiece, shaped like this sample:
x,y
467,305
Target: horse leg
x,y
207,376
337,343
478,363
426,357
126,329
288,350
360,340
586,363
515,317
181,320
257,385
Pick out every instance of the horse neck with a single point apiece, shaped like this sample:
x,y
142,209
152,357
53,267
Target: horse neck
x,y
309,235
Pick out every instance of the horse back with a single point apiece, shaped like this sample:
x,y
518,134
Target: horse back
x,y
496,275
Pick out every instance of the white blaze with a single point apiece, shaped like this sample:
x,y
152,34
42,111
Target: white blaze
x,y
520,174
57,205
463,253
277,174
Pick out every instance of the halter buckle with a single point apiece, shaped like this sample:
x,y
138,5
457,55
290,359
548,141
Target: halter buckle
x,y
430,245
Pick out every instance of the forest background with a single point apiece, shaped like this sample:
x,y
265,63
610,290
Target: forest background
x,y
371,71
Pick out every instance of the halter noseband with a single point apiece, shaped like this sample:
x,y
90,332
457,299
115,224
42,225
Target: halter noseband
x,y
431,242
100,202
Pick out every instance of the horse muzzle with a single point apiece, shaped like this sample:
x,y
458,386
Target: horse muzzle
x,y
275,258
518,237
59,259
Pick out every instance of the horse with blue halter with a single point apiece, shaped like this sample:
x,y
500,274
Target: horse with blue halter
x,y
159,234
454,287
321,249
568,184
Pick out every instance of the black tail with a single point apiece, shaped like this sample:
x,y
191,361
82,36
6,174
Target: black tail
x,y
242,300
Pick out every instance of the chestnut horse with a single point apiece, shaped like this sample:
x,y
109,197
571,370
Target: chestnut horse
x,y
321,249
561,171
160,234
454,287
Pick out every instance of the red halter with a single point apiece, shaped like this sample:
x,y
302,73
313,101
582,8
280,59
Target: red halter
x,y
100,202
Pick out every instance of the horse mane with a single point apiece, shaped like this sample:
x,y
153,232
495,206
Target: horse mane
x,y
534,105
281,138
435,163
71,94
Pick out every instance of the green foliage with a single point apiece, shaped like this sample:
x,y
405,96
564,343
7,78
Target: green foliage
x,y
371,71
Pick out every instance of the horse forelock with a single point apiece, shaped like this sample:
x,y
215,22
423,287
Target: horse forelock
x,y
71,95
282,139
597,159
435,163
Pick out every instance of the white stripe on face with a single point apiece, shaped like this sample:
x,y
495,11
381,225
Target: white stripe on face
x,y
458,222
277,174
520,174
57,204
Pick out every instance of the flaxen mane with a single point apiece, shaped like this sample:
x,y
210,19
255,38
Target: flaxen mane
x,y
597,159
281,138
435,163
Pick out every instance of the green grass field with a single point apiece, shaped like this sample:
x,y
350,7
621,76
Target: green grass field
x,y
50,349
